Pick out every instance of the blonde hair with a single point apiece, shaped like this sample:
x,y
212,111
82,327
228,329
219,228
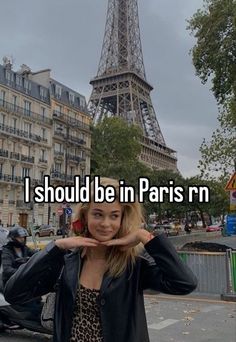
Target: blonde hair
x,y
132,218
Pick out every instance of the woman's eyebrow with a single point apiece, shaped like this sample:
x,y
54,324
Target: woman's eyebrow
x,y
100,210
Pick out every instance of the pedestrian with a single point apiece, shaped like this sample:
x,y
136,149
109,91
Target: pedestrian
x,y
105,271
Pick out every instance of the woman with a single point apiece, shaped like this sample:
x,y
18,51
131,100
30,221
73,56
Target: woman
x,y
100,296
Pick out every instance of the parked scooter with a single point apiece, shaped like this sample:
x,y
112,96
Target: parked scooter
x,y
11,319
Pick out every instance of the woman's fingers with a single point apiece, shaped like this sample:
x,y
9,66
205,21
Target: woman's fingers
x,y
74,242
114,242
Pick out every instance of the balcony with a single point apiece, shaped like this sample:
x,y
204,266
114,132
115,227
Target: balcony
x,y
42,160
14,155
12,202
11,178
76,140
58,154
27,159
12,108
56,175
58,115
36,182
3,153
20,204
20,133
70,121
74,158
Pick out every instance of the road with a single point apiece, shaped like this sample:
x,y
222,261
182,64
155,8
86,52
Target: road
x,y
172,319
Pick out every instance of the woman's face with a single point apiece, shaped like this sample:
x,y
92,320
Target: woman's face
x,y
104,220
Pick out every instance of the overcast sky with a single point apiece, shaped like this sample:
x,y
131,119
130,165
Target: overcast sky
x,y
66,36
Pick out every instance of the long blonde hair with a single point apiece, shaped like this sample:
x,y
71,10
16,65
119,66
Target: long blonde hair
x,y
132,218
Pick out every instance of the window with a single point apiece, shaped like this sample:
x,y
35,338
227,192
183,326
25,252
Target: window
x,y
41,175
82,174
27,108
27,127
44,133
1,170
14,101
71,98
25,150
43,155
58,147
25,172
27,85
10,219
43,112
58,91
57,167
71,171
19,81
14,123
2,119
1,143
14,146
13,171
9,77
43,93
82,102
11,195
2,97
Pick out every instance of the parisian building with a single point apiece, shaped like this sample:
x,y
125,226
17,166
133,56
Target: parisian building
x,y
44,130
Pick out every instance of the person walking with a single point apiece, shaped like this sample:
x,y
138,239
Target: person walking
x,y
103,273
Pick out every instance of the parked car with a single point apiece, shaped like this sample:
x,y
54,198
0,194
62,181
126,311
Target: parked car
x,y
44,230
215,228
159,228
172,229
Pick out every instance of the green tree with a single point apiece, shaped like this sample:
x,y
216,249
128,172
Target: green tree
x,y
218,204
115,150
165,209
214,58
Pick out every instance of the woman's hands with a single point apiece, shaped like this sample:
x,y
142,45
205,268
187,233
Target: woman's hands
x,y
130,240
126,242
75,242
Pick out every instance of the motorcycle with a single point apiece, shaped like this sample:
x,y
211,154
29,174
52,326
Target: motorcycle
x,y
13,319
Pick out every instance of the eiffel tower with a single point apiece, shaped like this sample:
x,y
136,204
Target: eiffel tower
x,y
120,87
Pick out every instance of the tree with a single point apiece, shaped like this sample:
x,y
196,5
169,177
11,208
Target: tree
x,y
214,58
165,209
115,150
218,204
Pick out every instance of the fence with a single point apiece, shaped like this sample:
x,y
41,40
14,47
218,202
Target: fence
x,y
216,272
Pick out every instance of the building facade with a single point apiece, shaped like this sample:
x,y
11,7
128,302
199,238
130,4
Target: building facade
x,y
44,130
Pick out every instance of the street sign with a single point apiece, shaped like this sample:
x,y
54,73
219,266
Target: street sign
x,y
233,200
60,211
231,185
231,224
68,211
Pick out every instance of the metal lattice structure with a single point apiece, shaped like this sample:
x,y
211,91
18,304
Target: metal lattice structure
x,y
120,87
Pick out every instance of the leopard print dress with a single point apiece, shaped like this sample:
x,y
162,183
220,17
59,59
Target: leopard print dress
x,y
86,322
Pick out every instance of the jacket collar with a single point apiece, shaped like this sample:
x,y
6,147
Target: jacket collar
x,y
73,267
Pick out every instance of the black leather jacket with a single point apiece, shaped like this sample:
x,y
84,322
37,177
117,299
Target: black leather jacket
x,y
11,261
121,299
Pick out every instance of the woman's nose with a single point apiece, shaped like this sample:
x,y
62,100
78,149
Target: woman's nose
x,y
106,221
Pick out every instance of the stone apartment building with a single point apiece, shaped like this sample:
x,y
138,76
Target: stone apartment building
x,y
44,130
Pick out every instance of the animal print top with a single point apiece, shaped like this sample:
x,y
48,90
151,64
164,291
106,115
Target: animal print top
x,y
86,323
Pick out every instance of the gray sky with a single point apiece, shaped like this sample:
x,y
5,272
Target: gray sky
x,y
67,35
